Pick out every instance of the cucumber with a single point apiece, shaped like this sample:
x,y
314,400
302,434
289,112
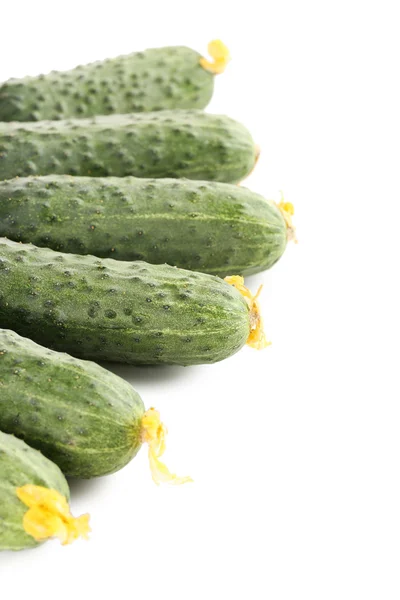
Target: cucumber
x,y
158,78
81,416
130,312
215,228
186,143
87,420
28,480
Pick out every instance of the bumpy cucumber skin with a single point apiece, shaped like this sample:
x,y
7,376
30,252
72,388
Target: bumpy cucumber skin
x,y
215,228
131,312
81,416
21,465
186,143
156,79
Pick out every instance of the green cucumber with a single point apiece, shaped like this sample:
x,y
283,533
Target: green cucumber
x,y
21,465
130,312
186,143
158,78
81,416
216,228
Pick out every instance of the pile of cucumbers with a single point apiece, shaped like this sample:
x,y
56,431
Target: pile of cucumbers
x,y
124,236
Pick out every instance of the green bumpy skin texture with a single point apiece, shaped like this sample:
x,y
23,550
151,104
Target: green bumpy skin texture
x,y
215,228
131,312
82,417
156,79
21,465
185,143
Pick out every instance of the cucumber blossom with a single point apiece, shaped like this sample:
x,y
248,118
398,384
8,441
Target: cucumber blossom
x,y
33,499
158,78
181,143
84,418
130,312
211,227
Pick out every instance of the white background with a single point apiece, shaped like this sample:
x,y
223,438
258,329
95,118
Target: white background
x,y
294,450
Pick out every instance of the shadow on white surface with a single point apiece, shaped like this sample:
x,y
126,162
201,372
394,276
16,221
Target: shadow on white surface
x,y
85,489
10,559
154,373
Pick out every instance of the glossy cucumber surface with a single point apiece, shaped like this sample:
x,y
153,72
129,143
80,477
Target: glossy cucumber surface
x,y
21,465
215,228
132,312
181,143
81,416
158,78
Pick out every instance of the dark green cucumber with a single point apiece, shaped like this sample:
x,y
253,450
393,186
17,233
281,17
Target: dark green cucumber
x,y
21,465
129,312
211,227
81,416
185,143
158,78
